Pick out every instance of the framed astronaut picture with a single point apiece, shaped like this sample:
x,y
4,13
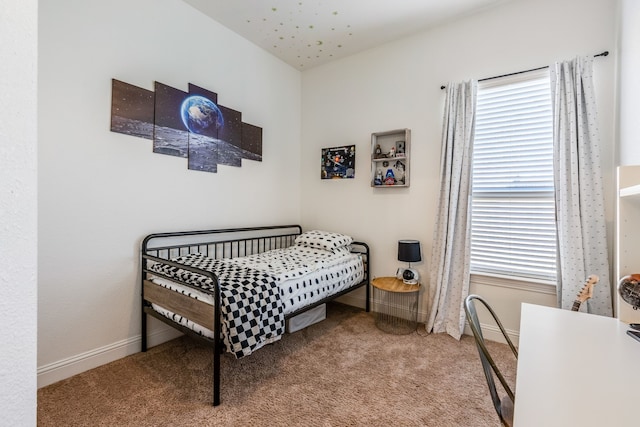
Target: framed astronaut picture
x,y
338,162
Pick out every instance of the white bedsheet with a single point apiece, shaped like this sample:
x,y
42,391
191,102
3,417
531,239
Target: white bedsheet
x,y
310,277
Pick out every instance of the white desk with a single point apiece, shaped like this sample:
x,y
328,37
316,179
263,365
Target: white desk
x,y
575,369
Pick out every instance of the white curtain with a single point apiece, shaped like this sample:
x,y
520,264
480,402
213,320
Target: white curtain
x,y
451,243
582,240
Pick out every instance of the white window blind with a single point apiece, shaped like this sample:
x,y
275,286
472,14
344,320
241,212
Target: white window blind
x,y
513,230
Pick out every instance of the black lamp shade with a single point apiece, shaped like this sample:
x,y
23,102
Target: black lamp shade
x,y
409,250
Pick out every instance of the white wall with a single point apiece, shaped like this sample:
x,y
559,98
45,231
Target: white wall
x,y
398,85
97,189
101,192
18,211
629,82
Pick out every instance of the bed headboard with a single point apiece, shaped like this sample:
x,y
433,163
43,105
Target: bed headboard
x,y
221,243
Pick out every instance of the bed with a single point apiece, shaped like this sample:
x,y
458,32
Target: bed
x,y
236,289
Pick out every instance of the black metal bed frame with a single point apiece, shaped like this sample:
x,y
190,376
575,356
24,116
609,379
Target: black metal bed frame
x,y
224,243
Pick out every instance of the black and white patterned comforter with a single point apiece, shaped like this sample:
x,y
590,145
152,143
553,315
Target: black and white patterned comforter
x,y
252,313
251,302
292,262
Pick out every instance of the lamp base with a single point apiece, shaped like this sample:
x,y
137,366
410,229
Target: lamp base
x,y
409,276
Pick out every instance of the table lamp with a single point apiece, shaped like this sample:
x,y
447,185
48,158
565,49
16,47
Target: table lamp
x,y
408,251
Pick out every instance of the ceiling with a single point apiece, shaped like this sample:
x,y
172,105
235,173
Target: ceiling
x,y
307,33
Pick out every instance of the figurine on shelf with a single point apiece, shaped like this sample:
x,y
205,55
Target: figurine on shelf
x,y
400,167
389,178
392,152
378,152
378,179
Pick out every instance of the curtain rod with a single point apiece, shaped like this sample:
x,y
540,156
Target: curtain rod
x,y
605,53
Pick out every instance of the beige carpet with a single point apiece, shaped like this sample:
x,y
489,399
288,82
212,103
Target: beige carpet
x,y
340,372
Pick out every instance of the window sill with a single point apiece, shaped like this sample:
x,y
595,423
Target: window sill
x,y
519,283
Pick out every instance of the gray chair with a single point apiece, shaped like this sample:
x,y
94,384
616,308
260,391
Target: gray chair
x,y
504,405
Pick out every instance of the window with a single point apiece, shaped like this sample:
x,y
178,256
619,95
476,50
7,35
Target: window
x,y
513,231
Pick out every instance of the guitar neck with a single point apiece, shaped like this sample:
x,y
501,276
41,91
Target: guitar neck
x,y
585,293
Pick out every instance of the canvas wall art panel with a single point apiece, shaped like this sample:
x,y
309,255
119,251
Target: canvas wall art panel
x,y
132,110
189,124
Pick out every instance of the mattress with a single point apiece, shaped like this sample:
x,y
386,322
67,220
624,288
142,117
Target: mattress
x,y
302,276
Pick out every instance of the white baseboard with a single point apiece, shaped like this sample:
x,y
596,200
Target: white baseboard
x,y
493,333
348,299
359,301
490,332
65,368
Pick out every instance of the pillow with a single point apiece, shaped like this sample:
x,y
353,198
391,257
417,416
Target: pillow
x,y
323,240
344,250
